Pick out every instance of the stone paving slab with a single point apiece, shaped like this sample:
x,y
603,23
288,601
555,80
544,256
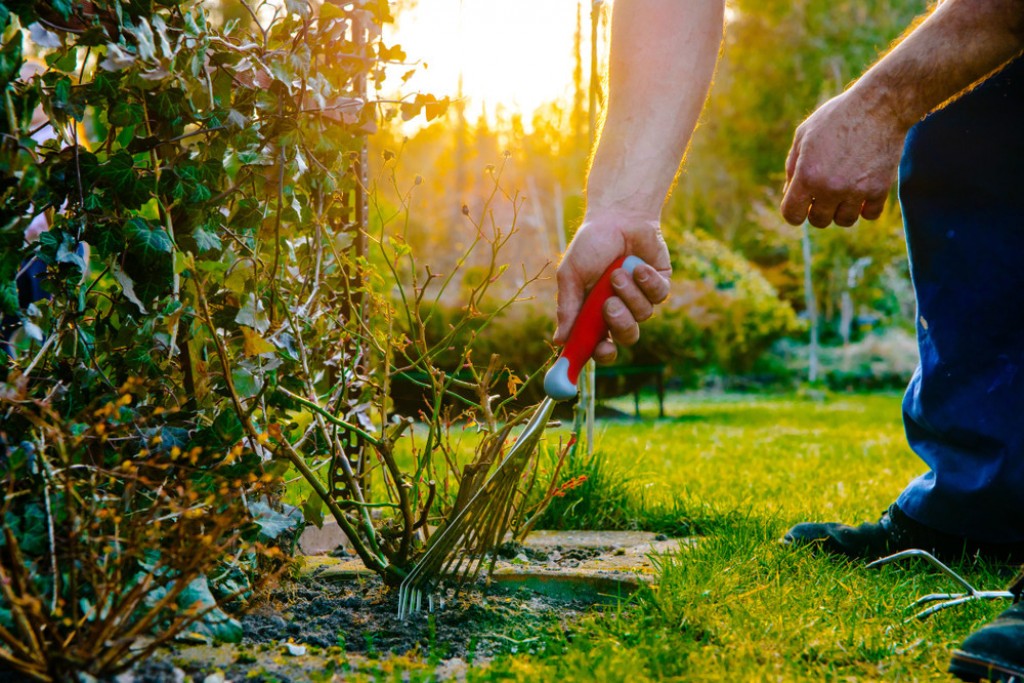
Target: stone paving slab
x,y
588,565
321,541
589,539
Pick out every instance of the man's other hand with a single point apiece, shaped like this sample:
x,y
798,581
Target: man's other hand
x,y
842,163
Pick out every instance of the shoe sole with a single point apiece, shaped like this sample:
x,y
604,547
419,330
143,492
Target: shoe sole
x,y
969,668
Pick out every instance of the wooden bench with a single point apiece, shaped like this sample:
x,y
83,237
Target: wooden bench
x,y
653,371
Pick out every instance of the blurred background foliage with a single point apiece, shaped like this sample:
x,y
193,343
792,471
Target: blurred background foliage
x,y
780,59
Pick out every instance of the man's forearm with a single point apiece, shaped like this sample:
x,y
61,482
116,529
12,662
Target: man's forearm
x,y
663,56
962,42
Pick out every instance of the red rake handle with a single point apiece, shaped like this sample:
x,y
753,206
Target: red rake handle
x,y
560,382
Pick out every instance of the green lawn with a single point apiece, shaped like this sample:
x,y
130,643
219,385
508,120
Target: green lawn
x,y
738,606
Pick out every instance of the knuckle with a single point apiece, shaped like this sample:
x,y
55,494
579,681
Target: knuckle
x,y
819,221
793,216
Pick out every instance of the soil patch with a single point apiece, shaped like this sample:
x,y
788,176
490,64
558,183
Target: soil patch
x,y
362,617
336,619
310,629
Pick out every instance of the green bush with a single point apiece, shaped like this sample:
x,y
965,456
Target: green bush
x,y
881,360
200,189
721,314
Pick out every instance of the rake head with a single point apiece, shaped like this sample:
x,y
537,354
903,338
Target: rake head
x,y
943,600
459,550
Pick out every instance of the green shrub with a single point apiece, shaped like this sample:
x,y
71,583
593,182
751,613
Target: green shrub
x,y
112,547
881,360
721,314
201,195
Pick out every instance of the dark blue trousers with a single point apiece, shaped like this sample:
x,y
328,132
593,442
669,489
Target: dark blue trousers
x,y
962,192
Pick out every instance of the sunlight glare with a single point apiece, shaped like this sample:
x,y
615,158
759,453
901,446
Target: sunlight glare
x,y
514,55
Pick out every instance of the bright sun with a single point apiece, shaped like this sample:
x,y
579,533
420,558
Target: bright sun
x,y
513,54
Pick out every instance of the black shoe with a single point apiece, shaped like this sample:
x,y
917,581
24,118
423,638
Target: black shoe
x,y
995,652
891,534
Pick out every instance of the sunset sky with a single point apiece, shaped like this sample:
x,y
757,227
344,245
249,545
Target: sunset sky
x,y
516,54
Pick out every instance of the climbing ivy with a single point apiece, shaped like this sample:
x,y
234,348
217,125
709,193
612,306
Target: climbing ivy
x,y
181,252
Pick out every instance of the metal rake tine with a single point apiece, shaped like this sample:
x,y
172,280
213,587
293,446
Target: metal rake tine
x,y
407,594
405,603
403,591
915,552
982,595
949,599
440,556
933,597
962,600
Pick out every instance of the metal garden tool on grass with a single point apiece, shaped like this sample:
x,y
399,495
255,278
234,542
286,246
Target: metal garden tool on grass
x,y
479,526
943,600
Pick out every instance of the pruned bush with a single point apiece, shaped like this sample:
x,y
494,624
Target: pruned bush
x,y
116,537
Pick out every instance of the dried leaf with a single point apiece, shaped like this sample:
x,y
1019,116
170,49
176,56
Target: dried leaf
x,y
253,344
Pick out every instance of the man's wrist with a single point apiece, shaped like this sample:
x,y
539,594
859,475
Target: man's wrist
x,y
886,102
619,215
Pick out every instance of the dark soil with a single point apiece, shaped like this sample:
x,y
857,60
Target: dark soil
x,y
357,620
362,617
558,556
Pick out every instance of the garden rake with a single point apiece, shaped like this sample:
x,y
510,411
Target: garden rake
x,y
479,526
947,600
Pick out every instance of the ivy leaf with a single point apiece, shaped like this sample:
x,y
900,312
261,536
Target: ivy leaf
x,y
9,297
49,243
62,93
200,193
228,427
143,38
215,623
69,251
253,315
106,238
299,420
43,37
300,7
10,60
255,345
239,277
246,383
313,510
93,201
125,114
206,240
33,331
30,529
147,242
433,107
271,522
118,172
395,53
